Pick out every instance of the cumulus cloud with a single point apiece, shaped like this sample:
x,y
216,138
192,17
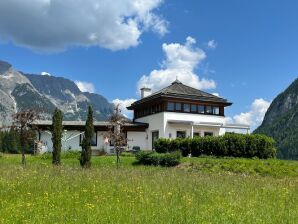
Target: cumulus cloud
x,y
254,116
45,73
85,86
180,61
212,44
52,25
123,104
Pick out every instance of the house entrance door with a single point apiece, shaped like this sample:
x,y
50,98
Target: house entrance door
x,y
155,136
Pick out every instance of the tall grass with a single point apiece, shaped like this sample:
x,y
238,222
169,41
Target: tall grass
x,y
40,193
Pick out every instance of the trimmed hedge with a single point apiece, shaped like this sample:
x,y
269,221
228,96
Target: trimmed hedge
x,y
234,145
158,159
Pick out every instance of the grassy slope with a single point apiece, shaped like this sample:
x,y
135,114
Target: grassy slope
x,y
200,191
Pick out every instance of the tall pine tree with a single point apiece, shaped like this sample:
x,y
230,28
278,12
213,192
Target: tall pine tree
x,y
57,130
85,159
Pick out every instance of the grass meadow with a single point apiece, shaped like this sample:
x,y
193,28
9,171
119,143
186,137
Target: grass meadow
x,y
200,190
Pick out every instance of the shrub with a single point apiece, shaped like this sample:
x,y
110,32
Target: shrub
x,y
162,159
162,145
233,145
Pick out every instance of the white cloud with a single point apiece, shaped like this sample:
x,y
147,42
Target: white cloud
x,y
215,94
45,73
212,44
123,104
85,86
254,116
180,61
52,25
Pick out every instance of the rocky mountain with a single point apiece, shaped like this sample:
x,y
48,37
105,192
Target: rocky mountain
x,y
281,122
19,91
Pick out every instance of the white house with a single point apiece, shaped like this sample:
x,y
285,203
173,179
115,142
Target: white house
x,y
175,111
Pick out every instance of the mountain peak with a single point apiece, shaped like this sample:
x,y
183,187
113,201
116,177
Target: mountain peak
x,y
4,66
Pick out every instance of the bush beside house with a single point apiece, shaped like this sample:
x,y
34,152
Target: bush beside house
x,y
234,145
159,159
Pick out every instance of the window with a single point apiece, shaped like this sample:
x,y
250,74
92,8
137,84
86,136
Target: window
x,y
193,108
186,107
178,106
208,133
215,110
170,106
181,134
196,134
201,109
208,109
93,140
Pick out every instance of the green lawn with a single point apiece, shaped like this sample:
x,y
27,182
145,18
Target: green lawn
x,y
201,190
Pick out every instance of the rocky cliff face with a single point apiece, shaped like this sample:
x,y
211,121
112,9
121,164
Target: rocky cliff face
x,y
19,91
281,122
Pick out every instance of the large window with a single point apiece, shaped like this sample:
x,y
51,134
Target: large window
x,y
201,109
215,110
193,108
208,109
178,106
93,140
181,134
170,106
208,133
186,107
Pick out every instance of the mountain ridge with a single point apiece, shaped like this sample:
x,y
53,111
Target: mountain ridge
x,y
281,122
20,91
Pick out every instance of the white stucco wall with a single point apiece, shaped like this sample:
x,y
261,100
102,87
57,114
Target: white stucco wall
x,y
171,129
137,139
156,123
159,122
73,143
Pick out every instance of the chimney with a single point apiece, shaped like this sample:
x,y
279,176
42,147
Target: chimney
x,y
145,92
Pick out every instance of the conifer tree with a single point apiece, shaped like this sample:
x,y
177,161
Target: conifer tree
x,y
1,140
57,130
85,159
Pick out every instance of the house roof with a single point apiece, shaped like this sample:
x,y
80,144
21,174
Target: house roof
x,y
180,91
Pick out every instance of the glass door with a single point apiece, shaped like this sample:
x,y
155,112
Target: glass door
x,y
155,136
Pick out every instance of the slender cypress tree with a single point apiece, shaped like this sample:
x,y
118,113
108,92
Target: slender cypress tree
x,y
57,130
85,159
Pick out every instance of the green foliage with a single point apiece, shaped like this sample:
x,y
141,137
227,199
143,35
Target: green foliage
x,y
57,131
234,145
10,142
156,159
85,159
281,123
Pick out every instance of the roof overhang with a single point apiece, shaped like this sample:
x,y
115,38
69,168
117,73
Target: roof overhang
x,y
98,125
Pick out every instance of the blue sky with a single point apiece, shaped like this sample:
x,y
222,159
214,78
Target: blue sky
x,y
254,54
